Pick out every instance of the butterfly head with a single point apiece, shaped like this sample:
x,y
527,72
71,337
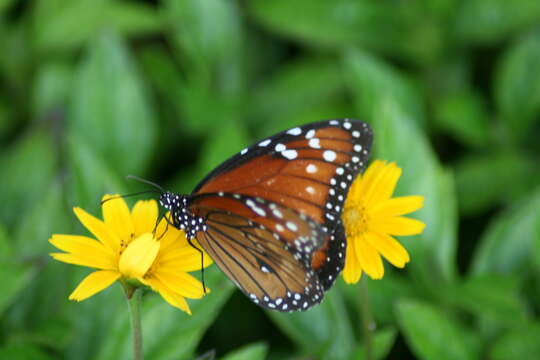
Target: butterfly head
x,y
173,202
182,218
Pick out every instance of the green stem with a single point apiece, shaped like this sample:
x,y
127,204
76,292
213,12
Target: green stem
x,y
367,320
134,297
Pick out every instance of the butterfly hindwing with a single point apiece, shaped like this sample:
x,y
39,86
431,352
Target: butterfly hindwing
x,y
264,248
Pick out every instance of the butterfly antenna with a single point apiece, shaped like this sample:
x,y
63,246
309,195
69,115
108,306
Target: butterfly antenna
x,y
133,177
128,195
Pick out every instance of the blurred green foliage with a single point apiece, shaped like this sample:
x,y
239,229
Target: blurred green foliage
x,y
94,90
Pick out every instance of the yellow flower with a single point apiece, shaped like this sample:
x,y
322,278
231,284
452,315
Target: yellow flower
x,y
371,217
130,246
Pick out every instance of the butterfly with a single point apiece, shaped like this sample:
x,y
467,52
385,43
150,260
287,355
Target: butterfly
x,y
270,216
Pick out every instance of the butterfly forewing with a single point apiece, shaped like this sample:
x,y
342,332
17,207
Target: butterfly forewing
x,y
309,169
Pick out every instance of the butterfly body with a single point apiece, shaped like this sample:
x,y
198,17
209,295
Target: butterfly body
x,y
270,216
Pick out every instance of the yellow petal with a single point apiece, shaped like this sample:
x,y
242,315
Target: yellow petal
x,y
364,181
94,283
383,185
85,260
352,271
389,247
369,259
184,259
117,217
144,215
171,297
139,256
398,206
99,229
397,225
84,246
171,236
181,283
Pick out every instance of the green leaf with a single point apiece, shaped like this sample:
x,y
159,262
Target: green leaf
x,y
432,252
46,293
110,108
229,140
382,294
383,340
324,330
91,177
494,297
209,34
27,171
14,276
168,332
23,351
296,87
92,323
4,4
489,21
508,244
7,122
520,343
82,19
17,66
394,28
434,334
517,85
209,37
6,250
52,87
255,351
464,116
48,215
482,180
373,82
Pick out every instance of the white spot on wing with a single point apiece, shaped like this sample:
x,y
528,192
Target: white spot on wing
x,y
311,168
265,142
290,154
310,134
280,147
314,143
295,131
292,226
329,155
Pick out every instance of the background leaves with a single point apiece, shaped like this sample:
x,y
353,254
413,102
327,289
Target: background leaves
x,y
91,91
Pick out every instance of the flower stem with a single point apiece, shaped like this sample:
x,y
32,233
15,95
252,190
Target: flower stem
x,y
367,320
134,297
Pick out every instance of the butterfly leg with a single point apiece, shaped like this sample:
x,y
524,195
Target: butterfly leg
x,y
202,262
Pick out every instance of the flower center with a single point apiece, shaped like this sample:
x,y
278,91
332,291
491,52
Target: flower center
x,y
355,219
124,243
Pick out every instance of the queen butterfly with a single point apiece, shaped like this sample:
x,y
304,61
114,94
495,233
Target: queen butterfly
x,y
270,216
